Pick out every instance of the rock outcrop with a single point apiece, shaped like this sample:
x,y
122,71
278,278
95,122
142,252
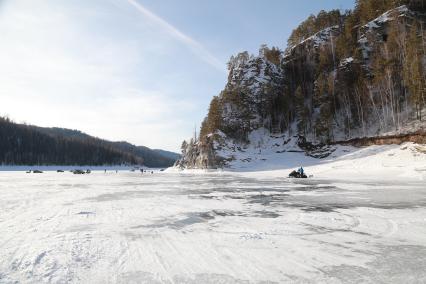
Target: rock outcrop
x,y
320,91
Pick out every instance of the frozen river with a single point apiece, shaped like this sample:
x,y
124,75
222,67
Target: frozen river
x,y
209,228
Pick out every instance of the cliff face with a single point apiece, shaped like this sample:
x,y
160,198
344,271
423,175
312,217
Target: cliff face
x,y
253,90
201,154
342,82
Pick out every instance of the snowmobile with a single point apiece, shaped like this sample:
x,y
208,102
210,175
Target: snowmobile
x,y
78,172
296,174
37,172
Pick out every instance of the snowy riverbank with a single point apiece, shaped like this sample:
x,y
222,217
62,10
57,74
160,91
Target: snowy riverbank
x,y
384,162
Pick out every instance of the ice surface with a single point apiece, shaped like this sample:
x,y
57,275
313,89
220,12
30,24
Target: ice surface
x,y
209,228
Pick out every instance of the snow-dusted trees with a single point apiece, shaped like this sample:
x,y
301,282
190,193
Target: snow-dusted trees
x,y
366,10
313,24
184,147
323,105
415,67
239,60
302,111
213,121
273,54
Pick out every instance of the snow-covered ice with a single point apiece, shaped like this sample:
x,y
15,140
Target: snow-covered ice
x,y
217,227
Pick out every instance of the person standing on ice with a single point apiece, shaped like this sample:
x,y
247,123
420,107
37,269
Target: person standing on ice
x,y
301,171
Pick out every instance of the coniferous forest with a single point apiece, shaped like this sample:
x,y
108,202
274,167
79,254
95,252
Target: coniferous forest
x,y
30,145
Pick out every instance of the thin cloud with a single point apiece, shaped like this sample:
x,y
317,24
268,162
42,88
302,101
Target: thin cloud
x,y
194,45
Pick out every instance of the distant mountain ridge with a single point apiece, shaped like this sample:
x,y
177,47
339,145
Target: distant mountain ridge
x,y
168,154
22,144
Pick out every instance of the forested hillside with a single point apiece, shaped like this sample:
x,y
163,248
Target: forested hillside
x,y
31,145
358,73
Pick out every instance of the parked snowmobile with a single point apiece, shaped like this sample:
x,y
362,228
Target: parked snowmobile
x,y
297,174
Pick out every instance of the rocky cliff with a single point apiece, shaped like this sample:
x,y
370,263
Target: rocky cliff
x,y
345,81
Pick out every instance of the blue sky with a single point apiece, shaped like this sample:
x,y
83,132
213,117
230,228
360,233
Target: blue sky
x,y
137,70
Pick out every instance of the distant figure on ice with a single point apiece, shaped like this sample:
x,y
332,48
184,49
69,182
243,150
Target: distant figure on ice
x,y
300,170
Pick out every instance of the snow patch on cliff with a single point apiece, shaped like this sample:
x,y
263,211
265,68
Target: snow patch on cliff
x,y
373,27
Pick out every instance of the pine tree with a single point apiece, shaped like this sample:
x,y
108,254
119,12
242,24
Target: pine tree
x,y
184,147
214,118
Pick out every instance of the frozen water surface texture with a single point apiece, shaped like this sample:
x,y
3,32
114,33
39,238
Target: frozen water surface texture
x,y
209,228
